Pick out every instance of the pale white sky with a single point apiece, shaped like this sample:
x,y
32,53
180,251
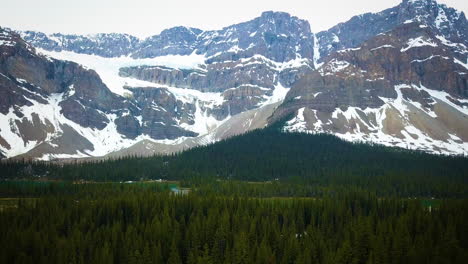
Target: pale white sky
x,y
148,17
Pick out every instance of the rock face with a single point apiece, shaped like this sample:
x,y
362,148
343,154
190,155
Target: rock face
x,y
444,21
160,115
398,77
244,83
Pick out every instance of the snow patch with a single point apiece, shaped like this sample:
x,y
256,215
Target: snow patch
x,y
297,124
279,93
203,122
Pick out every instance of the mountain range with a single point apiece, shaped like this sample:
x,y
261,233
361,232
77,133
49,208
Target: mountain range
x,y
397,77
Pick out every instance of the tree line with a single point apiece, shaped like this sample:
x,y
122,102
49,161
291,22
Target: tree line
x,y
268,155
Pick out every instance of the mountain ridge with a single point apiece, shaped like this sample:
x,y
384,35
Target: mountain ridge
x,y
179,40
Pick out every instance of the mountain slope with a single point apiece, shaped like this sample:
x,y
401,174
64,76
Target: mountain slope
x,y
401,88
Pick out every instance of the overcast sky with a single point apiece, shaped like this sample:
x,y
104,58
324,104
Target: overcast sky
x,y
148,17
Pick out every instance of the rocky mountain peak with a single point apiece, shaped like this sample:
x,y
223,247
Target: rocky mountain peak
x,y
173,41
283,23
8,37
428,11
12,43
275,17
419,3
275,14
447,22
275,35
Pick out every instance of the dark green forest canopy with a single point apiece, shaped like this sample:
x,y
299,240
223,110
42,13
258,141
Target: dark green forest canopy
x,y
305,161
125,223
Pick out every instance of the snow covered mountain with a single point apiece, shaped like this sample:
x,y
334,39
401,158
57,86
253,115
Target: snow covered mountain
x,y
398,77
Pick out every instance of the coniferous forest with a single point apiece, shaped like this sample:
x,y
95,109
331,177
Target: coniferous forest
x,y
263,197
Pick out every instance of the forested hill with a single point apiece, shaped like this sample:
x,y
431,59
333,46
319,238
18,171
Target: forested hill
x,y
270,155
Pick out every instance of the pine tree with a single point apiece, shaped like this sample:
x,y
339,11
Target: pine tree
x,y
174,257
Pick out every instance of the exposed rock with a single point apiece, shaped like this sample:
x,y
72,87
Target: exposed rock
x,y
162,113
128,126
69,144
245,83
